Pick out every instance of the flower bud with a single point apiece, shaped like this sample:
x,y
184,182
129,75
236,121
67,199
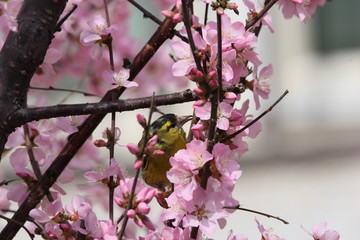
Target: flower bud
x,y
138,164
133,148
143,208
198,92
177,17
100,143
230,96
131,213
141,120
213,84
199,103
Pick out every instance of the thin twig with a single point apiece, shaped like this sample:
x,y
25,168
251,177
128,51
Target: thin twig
x,y
152,17
187,19
51,88
61,22
113,119
257,212
216,96
146,13
259,27
19,224
137,173
6,182
34,164
256,119
260,15
219,55
206,13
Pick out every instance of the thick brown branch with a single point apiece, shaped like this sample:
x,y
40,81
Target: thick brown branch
x,y
22,53
31,114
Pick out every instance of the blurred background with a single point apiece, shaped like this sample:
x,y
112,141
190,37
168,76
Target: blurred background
x,y
304,166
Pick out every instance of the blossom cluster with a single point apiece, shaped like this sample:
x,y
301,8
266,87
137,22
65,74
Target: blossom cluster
x,y
203,174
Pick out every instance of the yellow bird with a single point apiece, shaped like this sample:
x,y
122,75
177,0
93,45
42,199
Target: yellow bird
x,y
171,138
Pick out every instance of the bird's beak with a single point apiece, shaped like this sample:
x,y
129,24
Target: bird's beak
x,y
183,119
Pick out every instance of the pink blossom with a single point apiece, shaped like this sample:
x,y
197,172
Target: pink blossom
x,y
266,19
78,208
142,197
97,34
226,165
52,56
176,209
204,211
223,115
17,193
108,230
183,177
185,59
169,233
321,232
48,210
70,124
303,9
98,28
260,86
237,237
113,170
119,79
267,234
10,10
4,201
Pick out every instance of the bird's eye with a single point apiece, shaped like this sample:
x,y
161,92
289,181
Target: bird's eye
x,y
159,142
172,125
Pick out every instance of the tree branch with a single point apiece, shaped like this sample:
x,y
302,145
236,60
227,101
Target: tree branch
x,y
33,114
22,53
261,14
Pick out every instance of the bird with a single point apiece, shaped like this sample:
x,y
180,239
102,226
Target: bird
x,y
170,138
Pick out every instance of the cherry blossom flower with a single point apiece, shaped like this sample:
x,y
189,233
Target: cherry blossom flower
x,y
78,208
267,234
169,233
47,210
321,232
185,58
226,165
98,27
303,9
142,197
237,237
260,85
70,124
175,14
224,113
175,210
204,211
266,19
10,10
113,170
98,34
119,79
108,230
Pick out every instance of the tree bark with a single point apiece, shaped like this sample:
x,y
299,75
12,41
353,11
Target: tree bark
x,y
22,53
